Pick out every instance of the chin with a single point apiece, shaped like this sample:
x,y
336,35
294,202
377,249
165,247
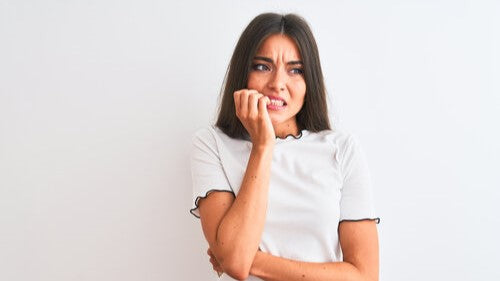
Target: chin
x,y
276,121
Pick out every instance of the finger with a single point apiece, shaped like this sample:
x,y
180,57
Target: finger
x,y
217,267
253,102
263,102
244,103
214,261
252,91
237,97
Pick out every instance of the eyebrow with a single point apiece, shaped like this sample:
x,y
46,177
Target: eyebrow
x,y
271,61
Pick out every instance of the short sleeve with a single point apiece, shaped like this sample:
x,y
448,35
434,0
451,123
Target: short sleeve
x,y
207,173
356,201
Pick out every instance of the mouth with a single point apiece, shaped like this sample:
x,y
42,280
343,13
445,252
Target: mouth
x,y
278,101
276,105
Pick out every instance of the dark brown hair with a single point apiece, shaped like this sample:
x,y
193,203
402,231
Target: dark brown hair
x,y
313,116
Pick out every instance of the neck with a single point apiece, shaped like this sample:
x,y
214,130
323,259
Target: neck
x,y
283,130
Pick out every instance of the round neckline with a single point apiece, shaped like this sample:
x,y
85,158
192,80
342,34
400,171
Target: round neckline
x,y
291,136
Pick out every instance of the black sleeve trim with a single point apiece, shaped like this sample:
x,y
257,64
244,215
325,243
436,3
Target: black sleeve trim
x,y
203,197
377,220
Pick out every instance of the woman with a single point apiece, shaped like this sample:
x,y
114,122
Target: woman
x,y
279,194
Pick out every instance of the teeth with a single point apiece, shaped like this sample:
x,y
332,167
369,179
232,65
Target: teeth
x,y
277,102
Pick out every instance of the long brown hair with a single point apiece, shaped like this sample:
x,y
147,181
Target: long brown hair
x,y
313,116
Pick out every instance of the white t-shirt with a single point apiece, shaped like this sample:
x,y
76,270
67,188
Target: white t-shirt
x,y
317,180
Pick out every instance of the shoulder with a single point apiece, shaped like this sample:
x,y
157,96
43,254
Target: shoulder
x,y
213,137
340,138
211,131
205,132
203,141
342,142
209,135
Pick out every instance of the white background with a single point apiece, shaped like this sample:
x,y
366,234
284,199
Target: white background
x,y
99,99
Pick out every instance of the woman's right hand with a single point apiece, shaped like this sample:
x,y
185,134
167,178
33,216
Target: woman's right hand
x,y
251,109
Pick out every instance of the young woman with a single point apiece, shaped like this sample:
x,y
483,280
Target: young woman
x,y
280,195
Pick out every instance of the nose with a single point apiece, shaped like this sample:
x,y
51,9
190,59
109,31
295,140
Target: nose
x,y
278,80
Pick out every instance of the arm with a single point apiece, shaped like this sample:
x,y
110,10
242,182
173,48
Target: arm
x,y
233,227
359,243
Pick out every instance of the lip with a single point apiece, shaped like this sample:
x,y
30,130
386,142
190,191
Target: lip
x,y
275,107
278,98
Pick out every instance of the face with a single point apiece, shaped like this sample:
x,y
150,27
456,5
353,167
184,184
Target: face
x,y
277,72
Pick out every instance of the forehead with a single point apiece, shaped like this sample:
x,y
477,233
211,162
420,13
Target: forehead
x,y
279,45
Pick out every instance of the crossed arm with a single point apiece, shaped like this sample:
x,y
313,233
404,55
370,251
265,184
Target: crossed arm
x,y
233,227
359,242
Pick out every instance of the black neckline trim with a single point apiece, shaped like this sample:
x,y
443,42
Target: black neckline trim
x,y
296,137
377,220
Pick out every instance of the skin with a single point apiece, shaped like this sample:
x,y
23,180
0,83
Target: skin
x,y
276,71
233,225
359,242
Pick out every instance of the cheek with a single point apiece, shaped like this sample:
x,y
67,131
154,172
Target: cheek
x,y
254,82
299,90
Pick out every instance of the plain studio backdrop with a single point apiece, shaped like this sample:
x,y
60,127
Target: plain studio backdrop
x,y
99,100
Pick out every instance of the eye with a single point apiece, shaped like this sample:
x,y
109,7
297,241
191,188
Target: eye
x,y
260,67
297,71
